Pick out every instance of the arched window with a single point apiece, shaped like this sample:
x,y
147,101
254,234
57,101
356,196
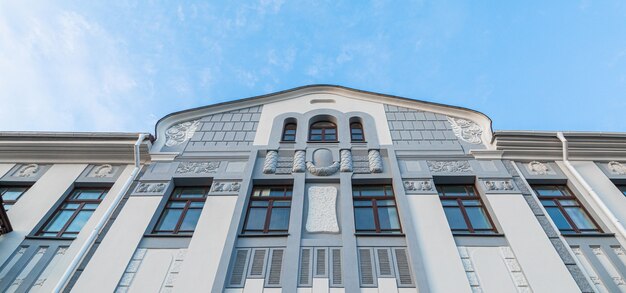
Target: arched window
x,y
289,132
356,131
323,131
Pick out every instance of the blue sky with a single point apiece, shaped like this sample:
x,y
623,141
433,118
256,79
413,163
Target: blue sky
x,y
122,65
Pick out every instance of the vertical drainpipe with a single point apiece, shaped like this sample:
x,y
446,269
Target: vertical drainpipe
x,y
107,214
616,222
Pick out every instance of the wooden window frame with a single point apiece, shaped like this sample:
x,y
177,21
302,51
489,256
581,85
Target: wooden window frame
x,y
290,126
175,198
268,213
323,133
374,207
461,206
571,197
4,189
81,207
359,126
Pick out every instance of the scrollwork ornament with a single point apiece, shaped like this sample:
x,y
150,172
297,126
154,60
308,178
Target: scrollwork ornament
x,y
179,133
101,171
466,130
151,187
225,187
617,168
449,166
418,185
28,170
538,168
499,185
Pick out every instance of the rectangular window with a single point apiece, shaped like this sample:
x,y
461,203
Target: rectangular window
x,y
375,209
464,209
10,195
565,210
73,213
182,211
268,210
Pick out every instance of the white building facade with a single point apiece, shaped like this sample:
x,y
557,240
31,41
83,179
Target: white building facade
x,y
315,189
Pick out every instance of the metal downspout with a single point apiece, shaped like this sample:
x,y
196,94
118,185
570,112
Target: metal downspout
x,y
616,222
107,214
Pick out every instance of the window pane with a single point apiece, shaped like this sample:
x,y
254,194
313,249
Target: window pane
x,y
196,204
256,219
362,203
79,221
169,219
388,218
452,190
372,191
192,193
177,204
450,203
568,203
7,206
364,219
580,218
280,192
455,218
88,194
548,190
558,219
279,219
58,221
90,206
330,137
316,137
259,203
478,217
382,203
281,203
316,131
13,193
548,203
191,219
330,131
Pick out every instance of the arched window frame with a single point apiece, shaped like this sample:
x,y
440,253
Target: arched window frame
x,y
357,133
289,131
326,134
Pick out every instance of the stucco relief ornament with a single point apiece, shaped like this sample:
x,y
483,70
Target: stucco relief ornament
x,y
420,185
299,162
323,171
322,213
197,167
375,161
28,170
449,166
225,187
181,132
346,160
499,185
466,130
269,165
538,168
151,187
617,168
105,170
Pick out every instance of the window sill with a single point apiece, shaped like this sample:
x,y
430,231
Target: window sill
x,y
287,141
168,235
379,234
314,141
477,235
265,235
359,142
48,238
582,235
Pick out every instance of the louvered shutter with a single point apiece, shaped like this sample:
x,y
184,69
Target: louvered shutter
x,y
403,267
320,263
384,264
336,273
238,270
257,265
305,267
275,267
366,268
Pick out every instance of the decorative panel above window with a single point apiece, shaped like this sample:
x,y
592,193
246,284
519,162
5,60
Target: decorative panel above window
x,y
464,210
74,212
565,210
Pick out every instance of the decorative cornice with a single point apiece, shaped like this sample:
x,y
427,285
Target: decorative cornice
x,y
466,130
181,132
449,166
